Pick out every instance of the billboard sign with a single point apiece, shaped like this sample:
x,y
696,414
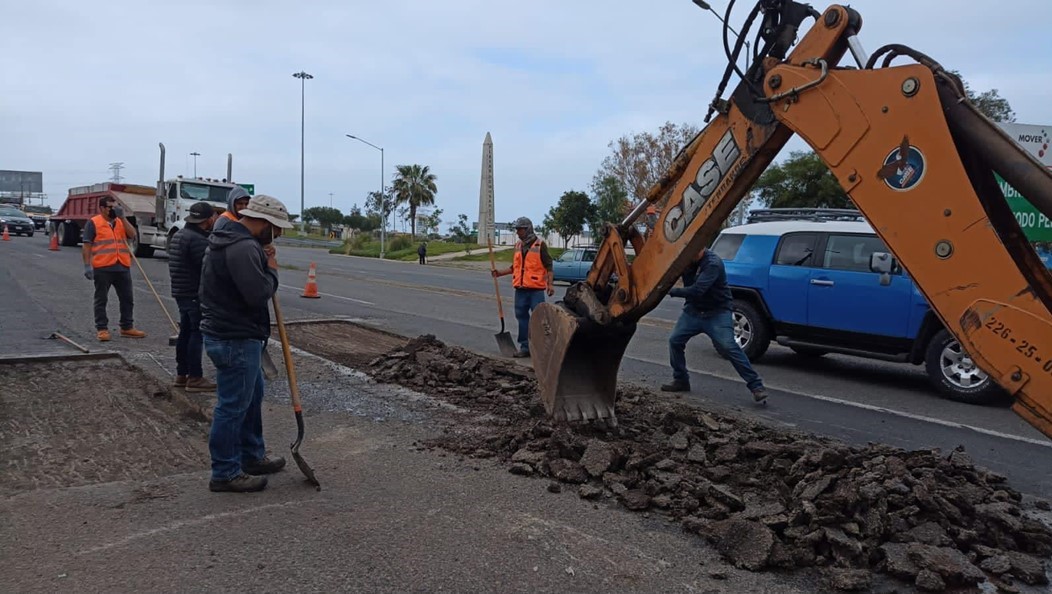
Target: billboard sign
x,y
1035,140
21,182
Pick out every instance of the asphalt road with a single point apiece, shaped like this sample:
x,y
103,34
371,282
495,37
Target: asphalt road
x,y
856,400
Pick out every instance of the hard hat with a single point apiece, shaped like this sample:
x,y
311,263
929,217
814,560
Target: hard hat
x,y
522,223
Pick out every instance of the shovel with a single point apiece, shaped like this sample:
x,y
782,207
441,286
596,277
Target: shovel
x,y
296,407
504,341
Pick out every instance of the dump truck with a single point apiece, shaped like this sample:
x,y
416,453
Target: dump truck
x,y
156,211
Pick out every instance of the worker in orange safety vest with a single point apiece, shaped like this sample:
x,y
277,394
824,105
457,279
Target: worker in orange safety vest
x,y
532,277
107,261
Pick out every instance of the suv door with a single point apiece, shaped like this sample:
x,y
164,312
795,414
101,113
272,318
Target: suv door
x,y
790,273
845,295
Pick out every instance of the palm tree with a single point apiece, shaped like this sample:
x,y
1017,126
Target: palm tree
x,y
414,186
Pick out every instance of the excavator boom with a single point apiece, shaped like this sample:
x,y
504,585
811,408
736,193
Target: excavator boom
x,y
912,154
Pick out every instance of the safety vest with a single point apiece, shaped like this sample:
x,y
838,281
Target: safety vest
x,y
530,274
230,215
109,247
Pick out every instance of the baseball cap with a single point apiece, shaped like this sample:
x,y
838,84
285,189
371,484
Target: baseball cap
x,y
199,212
269,209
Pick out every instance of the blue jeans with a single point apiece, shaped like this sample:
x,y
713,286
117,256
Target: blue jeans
x,y
526,300
719,327
189,346
237,423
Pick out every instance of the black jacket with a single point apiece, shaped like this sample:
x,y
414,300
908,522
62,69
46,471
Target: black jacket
x,y
705,285
236,286
185,254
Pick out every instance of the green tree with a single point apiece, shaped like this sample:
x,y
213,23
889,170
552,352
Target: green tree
x,y
609,203
414,186
357,220
991,103
325,216
432,221
638,161
461,231
375,204
569,216
801,181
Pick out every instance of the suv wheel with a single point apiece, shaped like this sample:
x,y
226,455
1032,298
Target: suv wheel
x,y
954,373
751,330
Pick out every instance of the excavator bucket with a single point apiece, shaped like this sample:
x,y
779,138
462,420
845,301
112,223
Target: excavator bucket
x,y
576,362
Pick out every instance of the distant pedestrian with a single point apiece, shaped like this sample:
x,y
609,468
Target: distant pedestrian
x,y
532,278
238,279
236,199
707,310
107,261
422,252
186,253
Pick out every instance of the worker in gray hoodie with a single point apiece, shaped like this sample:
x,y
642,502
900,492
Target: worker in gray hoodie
x,y
236,200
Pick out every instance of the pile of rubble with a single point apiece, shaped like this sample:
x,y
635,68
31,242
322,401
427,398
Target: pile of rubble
x,y
765,498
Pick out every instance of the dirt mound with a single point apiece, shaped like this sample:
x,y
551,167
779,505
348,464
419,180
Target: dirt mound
x,y
765,498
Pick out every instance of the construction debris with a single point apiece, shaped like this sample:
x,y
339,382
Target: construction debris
x,y
765,498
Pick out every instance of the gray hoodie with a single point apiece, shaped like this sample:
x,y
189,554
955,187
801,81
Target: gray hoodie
x,y
236,193
236,286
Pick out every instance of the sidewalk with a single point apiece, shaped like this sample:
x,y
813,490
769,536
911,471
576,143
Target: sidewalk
x,y
451,255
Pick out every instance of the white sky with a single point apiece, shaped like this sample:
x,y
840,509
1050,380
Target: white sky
x,y
89,83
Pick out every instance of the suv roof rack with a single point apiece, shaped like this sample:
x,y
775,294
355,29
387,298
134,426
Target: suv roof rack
x,y
761,215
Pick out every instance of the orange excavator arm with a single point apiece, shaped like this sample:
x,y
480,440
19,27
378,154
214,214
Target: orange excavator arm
x,y
912,154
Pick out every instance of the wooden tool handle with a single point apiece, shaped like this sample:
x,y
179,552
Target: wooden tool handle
x,y
496,286
290,370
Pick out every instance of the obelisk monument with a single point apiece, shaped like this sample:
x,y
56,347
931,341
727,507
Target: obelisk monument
x,y
486,226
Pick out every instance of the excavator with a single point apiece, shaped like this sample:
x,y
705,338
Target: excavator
x,y
908,148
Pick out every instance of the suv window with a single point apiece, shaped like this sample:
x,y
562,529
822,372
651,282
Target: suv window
x,y
589,256
796,249
727,245
851,252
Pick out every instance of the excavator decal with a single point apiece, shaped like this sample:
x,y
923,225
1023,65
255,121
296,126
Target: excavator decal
x,y
904,167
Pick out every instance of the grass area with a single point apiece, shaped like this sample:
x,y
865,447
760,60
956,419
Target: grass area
x,y
505,256
402,248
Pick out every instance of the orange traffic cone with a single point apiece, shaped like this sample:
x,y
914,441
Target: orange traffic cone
x,y
311,290
6,236
54,242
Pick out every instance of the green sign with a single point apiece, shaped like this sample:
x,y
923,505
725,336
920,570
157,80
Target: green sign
x,y
1036,226
250,188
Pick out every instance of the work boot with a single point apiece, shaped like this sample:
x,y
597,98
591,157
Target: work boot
x,y
522,354
241,483
180,381
132,333
267,465
199,384
759,395
104,335
676,386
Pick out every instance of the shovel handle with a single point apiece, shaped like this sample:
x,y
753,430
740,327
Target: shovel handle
x,y
496,287
287,353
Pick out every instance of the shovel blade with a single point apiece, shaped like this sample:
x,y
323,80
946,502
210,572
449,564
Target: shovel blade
x,y
506,344
576,362
303,466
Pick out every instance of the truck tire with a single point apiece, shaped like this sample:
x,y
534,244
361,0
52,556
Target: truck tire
x,y
140,251
955,375
751,329
68,234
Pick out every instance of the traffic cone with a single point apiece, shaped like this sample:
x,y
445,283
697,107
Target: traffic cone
x,y
311,290
6,236
54,242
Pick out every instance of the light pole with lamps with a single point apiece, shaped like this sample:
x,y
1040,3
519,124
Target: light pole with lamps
x,y
195,155
383,199
705,6
304,77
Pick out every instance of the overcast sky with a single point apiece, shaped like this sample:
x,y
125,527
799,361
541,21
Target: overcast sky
x,y
87,83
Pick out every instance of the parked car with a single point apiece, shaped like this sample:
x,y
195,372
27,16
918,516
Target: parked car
x,y
812,285
573,265
16,221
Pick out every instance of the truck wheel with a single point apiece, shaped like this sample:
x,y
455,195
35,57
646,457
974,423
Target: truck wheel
x,y
68,234
140,250
751,330
955,375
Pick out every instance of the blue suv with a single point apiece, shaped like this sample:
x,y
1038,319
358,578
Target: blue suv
x,y
810,280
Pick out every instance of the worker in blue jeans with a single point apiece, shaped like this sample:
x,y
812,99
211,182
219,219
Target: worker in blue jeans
x,y
532,277
707,310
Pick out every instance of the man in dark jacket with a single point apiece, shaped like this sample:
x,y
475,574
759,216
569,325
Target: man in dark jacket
x,y
238,279
185,254
707,310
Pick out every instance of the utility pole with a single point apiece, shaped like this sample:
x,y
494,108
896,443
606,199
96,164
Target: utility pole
x,y
304,77
330,199
195,155
116,169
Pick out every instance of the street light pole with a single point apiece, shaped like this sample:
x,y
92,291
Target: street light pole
x,y
304,77
195,155
383,199
705,6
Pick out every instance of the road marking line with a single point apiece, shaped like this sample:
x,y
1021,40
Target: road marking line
x,y
331,295
871,407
